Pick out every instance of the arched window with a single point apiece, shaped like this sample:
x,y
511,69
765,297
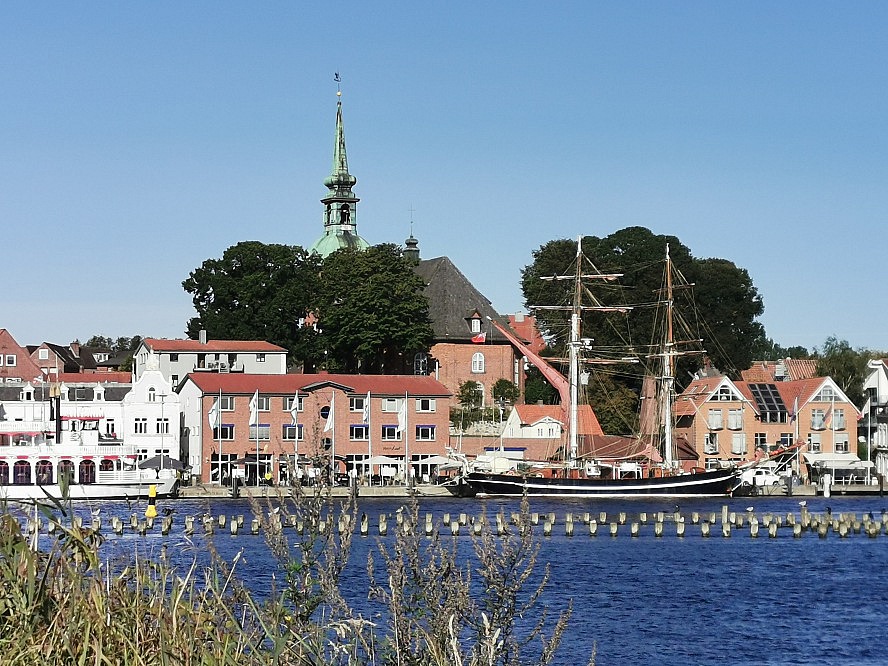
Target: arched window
x,y
44,473
152,395
4,474
106,465
21,473
66,469
87,471
477,362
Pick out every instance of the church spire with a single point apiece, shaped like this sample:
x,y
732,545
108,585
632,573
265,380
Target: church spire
x,y
340,204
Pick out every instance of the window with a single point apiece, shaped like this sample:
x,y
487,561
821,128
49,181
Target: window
x,y
152,395
818,419
715,419
43,354
476,325
264,403
174,358
827,394
738,443
227,403
224,433
288,404
735,419
175,380
477,362
356,404
761,440
260,358
710,443
839,419
425,433
140,426
163,426
426,405
814,442
109,427
292,432
841,443
359,433
391,405
390,433
724,394
10,360
261,431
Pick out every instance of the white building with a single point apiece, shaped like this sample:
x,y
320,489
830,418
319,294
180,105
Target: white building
x,y
175,359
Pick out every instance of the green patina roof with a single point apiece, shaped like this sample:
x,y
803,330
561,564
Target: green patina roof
x,y
340,204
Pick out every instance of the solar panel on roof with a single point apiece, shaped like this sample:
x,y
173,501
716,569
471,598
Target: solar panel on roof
x,y
767,398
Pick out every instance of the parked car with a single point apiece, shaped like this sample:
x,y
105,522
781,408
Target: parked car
x,y
760,476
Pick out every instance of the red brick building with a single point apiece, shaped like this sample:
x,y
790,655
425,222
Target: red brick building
x,y
407,419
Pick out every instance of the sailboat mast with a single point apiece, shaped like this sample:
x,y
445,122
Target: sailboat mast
x,y
574,351
668,370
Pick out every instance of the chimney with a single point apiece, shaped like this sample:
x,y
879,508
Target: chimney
x,y
202,336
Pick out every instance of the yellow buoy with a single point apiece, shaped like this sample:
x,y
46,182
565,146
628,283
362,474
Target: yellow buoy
x,y
151,510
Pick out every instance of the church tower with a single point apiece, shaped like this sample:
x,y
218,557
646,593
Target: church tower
x,y
340,204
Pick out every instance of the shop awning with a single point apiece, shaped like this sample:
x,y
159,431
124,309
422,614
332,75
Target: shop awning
x,y
837,460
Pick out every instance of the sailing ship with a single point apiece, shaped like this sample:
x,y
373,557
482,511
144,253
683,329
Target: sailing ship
x,y
585,476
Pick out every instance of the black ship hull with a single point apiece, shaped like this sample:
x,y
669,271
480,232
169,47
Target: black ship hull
x,y
719,483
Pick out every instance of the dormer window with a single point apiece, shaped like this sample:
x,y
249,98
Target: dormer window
x,y
476,325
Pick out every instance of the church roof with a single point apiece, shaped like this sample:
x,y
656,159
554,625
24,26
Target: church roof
x,y
454,301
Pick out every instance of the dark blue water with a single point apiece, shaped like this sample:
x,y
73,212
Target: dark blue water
x,y
644,600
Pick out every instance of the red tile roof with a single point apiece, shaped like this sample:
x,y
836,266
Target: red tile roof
x,y
765,372
162,344
90,378
388,385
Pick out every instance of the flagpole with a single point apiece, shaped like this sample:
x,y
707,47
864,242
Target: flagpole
x,y
333,440
369,440
218,434
256,426
407,442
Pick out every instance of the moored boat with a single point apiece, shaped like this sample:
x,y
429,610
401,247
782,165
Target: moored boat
x,y
584,475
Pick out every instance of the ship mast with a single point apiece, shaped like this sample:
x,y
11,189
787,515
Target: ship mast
x,y
574,356
668,370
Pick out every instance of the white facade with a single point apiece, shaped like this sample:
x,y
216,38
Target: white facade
x,y
193,421
190,356
543,428
151,416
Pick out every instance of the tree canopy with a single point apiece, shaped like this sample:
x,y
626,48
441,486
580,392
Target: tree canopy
x,y
257,291
373,314
352,312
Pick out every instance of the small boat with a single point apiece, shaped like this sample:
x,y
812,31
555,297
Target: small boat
x,y
585,476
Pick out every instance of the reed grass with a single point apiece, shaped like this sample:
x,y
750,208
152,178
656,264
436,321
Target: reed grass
x,y
436,603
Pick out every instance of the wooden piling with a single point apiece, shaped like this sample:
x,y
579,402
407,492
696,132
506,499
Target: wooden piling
x,y
658,528
613,529
383,525
593,528
634,529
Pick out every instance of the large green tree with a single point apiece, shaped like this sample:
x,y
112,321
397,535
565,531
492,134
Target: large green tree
x,y
257,291
374,316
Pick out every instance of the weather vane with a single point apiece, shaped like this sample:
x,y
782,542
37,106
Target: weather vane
x,y
338,80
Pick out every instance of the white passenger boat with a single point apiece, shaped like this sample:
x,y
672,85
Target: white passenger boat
x,y
84,467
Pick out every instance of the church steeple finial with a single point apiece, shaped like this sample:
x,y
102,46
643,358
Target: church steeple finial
x,y
340,204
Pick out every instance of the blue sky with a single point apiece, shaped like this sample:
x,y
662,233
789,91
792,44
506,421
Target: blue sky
x,y
138,140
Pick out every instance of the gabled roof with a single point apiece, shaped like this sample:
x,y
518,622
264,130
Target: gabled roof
x,y
385,385
232,346
587,422
452,301
698,392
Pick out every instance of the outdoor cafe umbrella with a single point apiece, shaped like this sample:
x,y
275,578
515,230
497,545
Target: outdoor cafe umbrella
x,y
162,462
